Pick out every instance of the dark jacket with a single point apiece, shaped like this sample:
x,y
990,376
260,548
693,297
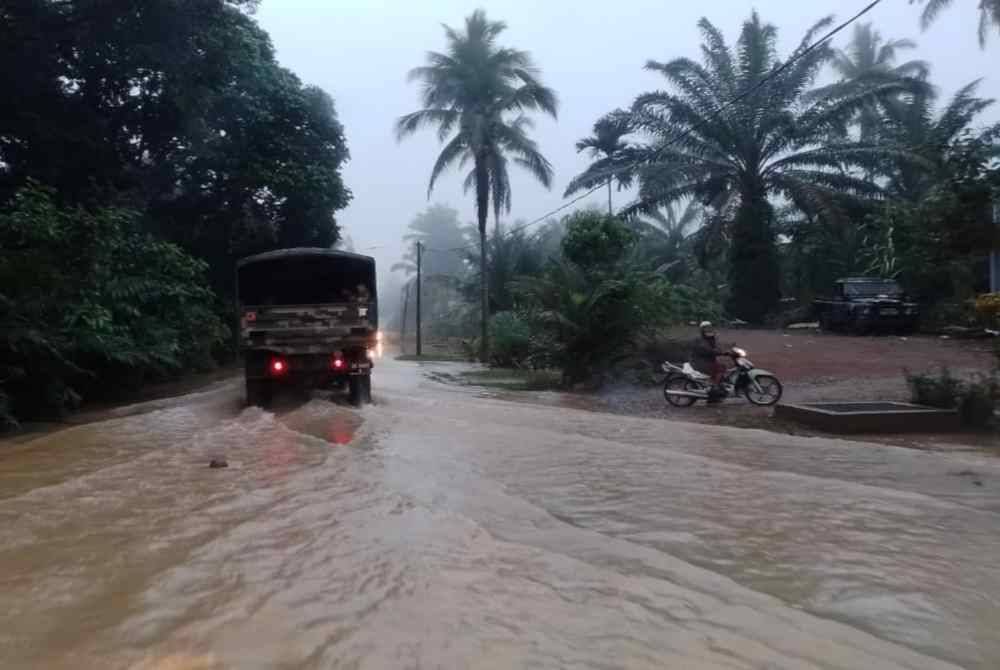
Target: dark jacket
x,y
704,351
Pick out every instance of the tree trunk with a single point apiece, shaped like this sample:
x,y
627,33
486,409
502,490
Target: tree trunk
x,y
611,211
482,213
754,274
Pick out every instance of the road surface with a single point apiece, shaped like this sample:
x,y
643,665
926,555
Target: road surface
x,y
445,528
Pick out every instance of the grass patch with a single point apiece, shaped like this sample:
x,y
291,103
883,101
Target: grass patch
x,y
432,358
506,379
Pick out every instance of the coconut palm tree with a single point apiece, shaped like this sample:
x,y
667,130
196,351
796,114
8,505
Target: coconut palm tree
x,y
476,93
739,129
867,58
989,12
605,146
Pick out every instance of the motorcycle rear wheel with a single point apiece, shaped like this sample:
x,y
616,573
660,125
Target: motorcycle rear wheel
x,y
769,394
680,384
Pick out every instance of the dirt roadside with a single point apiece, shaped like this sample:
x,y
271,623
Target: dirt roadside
x,y
137,401
817,367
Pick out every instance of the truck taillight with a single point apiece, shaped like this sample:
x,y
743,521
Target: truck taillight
x,y
337,361
278,367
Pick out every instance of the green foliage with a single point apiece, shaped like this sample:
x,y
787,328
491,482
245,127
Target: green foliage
x,y
989,14
165,130
607,145
775,140
694,303
596,242
939,389
87,295
510,335
940,243
587,315
509,256
178,110
975,399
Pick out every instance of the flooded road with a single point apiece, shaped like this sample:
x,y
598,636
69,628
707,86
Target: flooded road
x,y
444,529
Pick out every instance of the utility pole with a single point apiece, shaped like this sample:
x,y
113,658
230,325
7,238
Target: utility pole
x,y
995,252
420,247
402,328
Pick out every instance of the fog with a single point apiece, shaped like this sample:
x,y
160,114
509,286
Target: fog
x,y
592,55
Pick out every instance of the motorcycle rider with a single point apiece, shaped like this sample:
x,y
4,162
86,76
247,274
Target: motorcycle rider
x,y
704,358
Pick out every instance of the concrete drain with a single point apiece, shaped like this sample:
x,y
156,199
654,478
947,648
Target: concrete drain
x,y
871,417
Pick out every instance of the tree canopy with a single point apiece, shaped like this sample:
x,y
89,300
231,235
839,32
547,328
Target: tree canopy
x,y
166,130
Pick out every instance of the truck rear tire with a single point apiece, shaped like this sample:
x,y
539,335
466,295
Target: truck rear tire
x,y
360,390
355,392
366,386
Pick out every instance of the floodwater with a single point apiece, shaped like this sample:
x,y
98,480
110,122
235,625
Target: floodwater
x,y
444,529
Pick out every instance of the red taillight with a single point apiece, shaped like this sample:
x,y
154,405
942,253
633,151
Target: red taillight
x,y
250,317
278,366
337,363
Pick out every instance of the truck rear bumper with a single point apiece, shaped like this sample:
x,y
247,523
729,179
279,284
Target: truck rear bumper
x,y
313,369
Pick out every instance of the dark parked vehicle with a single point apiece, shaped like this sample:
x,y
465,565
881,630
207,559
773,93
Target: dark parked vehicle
x,y
866,304
308,317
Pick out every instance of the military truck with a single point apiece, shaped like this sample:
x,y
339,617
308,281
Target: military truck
x,y
308,318
867,304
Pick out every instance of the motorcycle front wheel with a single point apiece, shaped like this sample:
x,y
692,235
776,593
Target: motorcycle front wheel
x,y
764,391
680,384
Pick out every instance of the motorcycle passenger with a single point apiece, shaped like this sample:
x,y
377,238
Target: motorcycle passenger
x,y
705,353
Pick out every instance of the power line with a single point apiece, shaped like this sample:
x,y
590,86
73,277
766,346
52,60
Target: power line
x,y
742,96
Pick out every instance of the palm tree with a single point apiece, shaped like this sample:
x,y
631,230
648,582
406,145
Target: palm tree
x,y
989,12
476,93
442,236
911,122
605,146
869,57
663,232
739,129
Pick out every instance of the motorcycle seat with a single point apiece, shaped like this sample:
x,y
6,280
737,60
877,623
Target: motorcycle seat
x,y
692,373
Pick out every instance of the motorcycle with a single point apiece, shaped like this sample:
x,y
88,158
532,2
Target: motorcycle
x,y
684,386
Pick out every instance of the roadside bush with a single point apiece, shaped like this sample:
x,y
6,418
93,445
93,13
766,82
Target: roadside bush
x,y
975,399
690,303
934,390
510,338
588,310
87,298
987,308
979,400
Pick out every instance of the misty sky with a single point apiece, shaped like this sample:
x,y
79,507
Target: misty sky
x,y
592,54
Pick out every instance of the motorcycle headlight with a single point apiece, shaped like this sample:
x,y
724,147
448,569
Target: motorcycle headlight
x,y
740,352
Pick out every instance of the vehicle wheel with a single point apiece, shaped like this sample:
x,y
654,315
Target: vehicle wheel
x,y
366,389
824,323
764,391
355,390
258,393
680,384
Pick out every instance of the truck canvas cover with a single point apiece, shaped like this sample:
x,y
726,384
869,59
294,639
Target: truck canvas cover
x,y
299,301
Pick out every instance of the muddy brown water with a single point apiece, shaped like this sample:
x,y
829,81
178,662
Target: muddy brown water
x,y
443,528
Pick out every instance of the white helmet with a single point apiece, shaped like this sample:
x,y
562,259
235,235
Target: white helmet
x,y
704,325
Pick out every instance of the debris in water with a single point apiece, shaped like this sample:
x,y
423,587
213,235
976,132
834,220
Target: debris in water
x,y
218,463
